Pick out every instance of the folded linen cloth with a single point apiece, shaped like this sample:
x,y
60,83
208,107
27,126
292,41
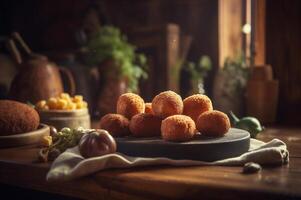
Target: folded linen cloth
x,y
71,165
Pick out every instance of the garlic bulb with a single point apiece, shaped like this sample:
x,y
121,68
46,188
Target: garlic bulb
x,y
96,143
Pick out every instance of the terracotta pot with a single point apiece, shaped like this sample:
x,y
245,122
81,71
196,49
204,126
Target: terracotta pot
x,y
109,95
110,88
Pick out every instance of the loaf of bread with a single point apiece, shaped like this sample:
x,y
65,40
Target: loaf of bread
x,y
16,118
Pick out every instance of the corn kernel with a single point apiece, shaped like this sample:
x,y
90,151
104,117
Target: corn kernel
x,y
62,104
71,106
41,104
52,103
79,105
84,104
77,98
46,141
65,96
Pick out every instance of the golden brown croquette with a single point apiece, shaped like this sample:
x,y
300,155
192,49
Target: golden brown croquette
x,y
145,125
130,104
117,125
213,123
148,108
166,104
178,128
16,118
195,105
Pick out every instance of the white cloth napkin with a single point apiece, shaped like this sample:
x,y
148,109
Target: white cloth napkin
x,y
71,165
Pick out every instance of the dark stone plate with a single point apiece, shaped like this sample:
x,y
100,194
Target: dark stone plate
x,y
234,143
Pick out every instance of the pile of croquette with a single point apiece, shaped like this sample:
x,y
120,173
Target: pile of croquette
x,y
167,116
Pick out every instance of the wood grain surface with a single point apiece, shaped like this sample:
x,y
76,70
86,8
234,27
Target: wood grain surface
x,y
18,167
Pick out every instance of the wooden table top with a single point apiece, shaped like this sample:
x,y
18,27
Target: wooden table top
x,y
18,167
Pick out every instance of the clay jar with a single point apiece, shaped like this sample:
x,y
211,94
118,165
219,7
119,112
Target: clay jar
x,y
111,86
39,79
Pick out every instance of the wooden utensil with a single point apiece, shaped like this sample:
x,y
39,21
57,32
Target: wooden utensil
x,y
38,78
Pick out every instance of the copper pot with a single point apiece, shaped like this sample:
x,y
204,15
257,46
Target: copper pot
x,y
37,78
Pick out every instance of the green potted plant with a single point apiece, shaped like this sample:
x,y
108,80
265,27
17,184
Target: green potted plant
x,y
230,85
196,73
109,44
120,67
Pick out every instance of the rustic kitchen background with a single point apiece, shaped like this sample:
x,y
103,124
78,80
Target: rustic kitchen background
x,y
168,32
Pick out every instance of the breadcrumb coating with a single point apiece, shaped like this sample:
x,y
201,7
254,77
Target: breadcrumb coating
x,y
178,128
145,125
213,123
195,105
130,104
117,125
166,104
148,108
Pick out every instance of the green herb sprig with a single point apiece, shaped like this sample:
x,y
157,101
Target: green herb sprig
x,y
110,43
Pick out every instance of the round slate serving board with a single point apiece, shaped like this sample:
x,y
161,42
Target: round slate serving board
x,y
232,144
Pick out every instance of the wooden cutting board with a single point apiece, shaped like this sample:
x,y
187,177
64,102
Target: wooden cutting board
x,y
33,137
234,143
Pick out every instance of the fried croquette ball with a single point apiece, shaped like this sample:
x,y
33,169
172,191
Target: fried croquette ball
x,y
145,125
213,123
166,104
195,105
117,125
148,108
178,128
130,104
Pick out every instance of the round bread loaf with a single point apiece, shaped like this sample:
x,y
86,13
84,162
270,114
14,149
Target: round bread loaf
x,y
16,118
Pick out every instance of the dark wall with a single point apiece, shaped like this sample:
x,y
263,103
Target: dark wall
x,y
283,51
56,19
198,18
49,25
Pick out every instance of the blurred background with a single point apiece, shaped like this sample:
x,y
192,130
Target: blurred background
x,y
243,54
